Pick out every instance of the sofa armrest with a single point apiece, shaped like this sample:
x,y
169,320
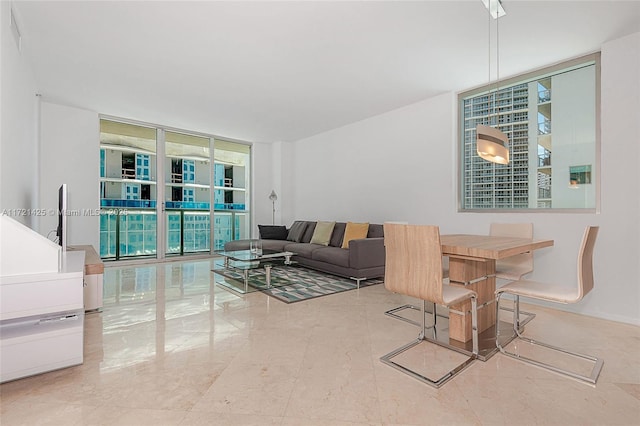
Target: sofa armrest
x,y
366,253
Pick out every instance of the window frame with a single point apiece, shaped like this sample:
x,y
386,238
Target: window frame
x,y
536,74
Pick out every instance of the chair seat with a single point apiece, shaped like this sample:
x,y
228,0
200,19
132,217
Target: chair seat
x,y
540,290
511,271
453,294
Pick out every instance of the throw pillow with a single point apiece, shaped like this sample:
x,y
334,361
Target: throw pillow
x,y
273,232
322,233
354,231
296,231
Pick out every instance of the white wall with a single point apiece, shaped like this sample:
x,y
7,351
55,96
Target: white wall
x,y
620,191
262,184
402,165
18,133
395,167
70,152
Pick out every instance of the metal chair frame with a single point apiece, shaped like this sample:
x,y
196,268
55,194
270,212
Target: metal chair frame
x,y
592,378
393,313
585,282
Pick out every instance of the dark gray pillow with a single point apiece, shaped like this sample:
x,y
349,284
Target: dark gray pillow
x,y
297,231
338,233
273,232
308,232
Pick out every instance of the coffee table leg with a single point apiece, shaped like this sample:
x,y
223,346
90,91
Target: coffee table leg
x,y
267,273
246,280
287,260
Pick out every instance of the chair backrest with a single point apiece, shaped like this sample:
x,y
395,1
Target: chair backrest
x,y
519,230
516,230
413,264
585,261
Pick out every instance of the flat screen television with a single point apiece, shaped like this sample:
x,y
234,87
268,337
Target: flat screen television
x,y
61,230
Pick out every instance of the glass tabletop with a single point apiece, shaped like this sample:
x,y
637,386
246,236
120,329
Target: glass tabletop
x,y
248,255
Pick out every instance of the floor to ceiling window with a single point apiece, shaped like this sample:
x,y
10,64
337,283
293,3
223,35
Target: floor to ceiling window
x,y
134,223
187,193
128,190
231,192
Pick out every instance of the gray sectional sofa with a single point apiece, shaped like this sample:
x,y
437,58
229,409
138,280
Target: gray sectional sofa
x,y
362,260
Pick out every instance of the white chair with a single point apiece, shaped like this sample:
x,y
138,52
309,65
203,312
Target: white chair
x,y
514,267
413,267
559,294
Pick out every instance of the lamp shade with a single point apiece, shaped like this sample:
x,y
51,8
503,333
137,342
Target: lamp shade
x,y
492,144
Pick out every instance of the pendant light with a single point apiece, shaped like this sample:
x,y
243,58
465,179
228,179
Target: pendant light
x,y
493,145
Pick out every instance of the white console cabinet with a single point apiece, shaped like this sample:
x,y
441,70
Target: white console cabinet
x,y
41,307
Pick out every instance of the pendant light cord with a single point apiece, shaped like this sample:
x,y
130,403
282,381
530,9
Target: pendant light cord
x,y
497,62
495,95
489,61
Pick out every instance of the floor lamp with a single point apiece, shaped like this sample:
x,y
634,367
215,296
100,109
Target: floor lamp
x,y
273,197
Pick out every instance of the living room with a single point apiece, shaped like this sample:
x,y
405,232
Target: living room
x,y
398,164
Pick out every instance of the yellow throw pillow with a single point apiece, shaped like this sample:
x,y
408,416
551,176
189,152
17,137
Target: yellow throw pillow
x,y
354,231
322,233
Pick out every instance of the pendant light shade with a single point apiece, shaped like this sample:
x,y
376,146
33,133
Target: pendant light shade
x,y
492,144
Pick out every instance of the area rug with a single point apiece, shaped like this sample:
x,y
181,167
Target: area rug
x,y
293,283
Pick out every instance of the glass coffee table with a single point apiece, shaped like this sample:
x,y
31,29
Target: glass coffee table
x,y
238,263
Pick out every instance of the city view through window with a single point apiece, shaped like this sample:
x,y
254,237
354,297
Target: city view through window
x,y
550,119
182,184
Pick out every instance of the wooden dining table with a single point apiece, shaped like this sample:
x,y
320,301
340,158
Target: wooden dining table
x,y
472,264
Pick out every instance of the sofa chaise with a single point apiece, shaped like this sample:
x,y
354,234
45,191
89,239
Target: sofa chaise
x,y
322,246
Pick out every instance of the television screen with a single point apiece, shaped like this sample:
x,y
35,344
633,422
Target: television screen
x,y
61,230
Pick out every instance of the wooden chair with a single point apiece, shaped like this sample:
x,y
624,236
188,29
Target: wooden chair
x,y
394,312
558,294
414,268
514,267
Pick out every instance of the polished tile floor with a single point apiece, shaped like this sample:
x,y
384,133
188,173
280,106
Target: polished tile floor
x,y
173,348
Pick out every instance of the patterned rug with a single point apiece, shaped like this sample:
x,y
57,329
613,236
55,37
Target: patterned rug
x,y
293,283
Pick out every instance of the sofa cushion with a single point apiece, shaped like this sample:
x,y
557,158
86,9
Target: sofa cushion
x,y
308,233
375,231
236,245
322,233
338,234
332,255
273,232
277,245
302,249
297,231
354,231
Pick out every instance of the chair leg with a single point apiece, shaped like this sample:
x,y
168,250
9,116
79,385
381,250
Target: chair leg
x,y
424,320
592,378
435,322
474,324
387,359
393,313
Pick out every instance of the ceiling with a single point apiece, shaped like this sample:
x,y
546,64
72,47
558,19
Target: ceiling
x,y
281,71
